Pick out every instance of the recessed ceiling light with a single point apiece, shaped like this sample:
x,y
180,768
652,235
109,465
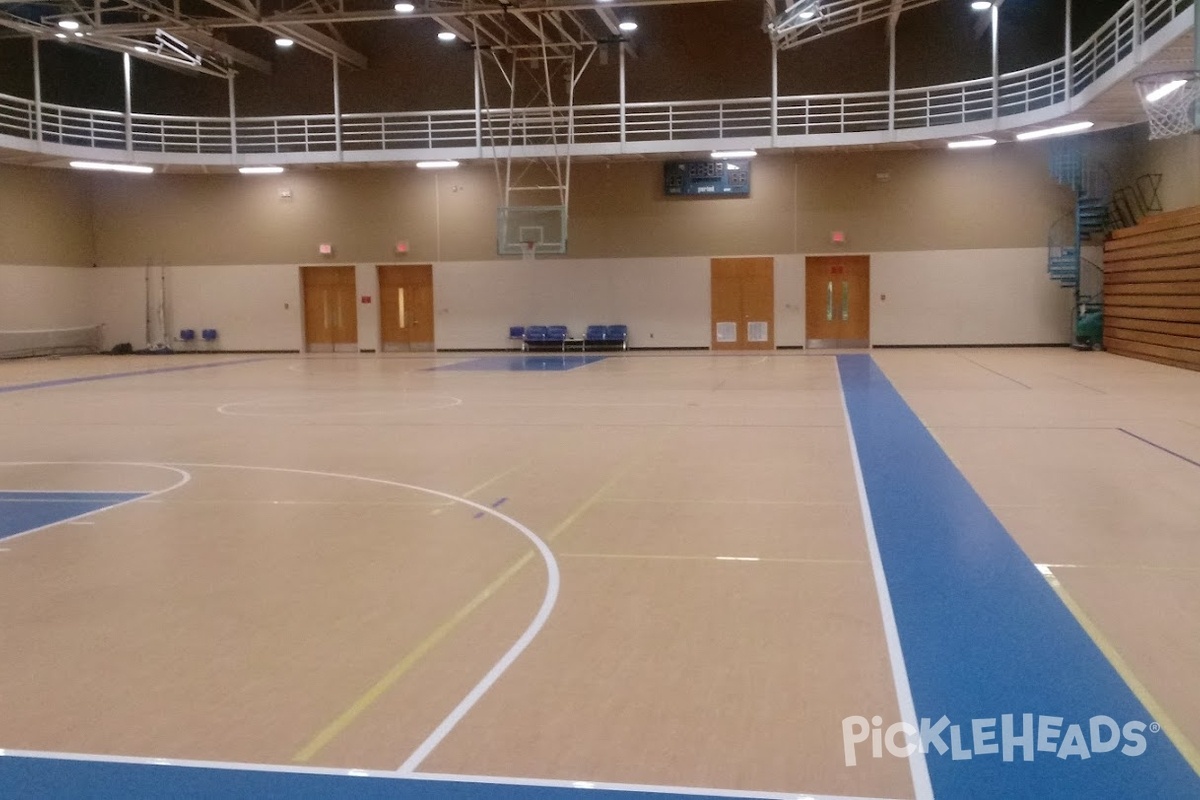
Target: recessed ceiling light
x,y
109,167
405,8
1073,127
68,24
734,153
628,25
967,144
283,41
446,164
260,170
447,36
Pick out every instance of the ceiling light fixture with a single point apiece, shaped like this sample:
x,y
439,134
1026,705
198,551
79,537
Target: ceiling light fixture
x,y
283,41
1061,130
68,24
446,164
260,170
60,36
734,153
447,36
967,144
981,5
102,166
1164,90
141,49
628,25
405,8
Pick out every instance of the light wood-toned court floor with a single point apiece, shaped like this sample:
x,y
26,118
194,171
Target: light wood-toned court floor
x,y
333,552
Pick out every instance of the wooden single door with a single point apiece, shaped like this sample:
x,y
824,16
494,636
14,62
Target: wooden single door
x,y
743,303
330,309
838,301
406,307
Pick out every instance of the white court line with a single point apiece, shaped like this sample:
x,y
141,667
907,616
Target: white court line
x,y
145,497
922,786
422,776
510,656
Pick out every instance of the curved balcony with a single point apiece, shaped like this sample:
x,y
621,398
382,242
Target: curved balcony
x,y
1140,29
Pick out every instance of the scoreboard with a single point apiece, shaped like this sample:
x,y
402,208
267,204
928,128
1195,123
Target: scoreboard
x,y
713,178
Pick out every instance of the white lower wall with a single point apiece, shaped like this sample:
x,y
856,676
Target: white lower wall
x,y
917,298
967,297
36,298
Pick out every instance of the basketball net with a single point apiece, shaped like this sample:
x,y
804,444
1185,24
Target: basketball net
x,y
1169,99
528,251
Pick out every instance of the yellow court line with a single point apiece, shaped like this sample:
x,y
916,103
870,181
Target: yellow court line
x,y
1184,745
397,672
442,507
347,717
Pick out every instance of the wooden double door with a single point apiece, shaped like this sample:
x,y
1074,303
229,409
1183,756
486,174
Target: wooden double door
x,y
743,304
406,307
330,309
838,301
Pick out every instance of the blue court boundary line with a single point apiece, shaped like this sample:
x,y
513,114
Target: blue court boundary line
x,y
985,637
23,387
1160,447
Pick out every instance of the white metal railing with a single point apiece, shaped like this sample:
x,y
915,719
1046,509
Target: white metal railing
x,y
930,107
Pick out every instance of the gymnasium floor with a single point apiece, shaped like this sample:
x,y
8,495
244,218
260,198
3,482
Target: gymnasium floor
x,y
727,574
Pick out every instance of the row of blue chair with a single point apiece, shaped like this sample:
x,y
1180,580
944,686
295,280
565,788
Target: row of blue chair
x,y
189,335
559,336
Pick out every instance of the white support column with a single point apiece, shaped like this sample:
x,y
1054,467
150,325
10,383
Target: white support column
x,y
892,76
478,102
232,117
127,63
774,92
621,111
37,92
337,108
1069,54
995,61
1139,29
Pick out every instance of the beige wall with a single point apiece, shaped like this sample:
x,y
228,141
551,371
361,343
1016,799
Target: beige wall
x,y
1129,153
958,241
45,218
893,200
37,298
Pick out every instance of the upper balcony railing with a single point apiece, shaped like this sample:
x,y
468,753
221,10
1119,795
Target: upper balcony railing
x,y
613,127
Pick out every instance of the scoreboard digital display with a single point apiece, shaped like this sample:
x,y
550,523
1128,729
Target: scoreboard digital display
x,y
714,178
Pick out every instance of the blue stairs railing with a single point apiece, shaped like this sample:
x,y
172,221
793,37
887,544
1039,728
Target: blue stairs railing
x,y
1090,184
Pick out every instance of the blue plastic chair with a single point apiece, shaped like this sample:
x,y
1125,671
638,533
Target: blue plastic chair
x,y
209,334
187,335
618,333
534,334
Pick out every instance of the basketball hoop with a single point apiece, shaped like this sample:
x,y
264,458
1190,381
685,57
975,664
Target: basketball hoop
x,y
1169,99
528,251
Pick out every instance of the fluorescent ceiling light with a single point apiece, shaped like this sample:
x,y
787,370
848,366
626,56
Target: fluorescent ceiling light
x,y
260,170
60,36
405,8
78,34
68,24
981,5
734,153
283,41
1074,127
108,167
437,164
966,144
139,48
447,36
628,25
1164,90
